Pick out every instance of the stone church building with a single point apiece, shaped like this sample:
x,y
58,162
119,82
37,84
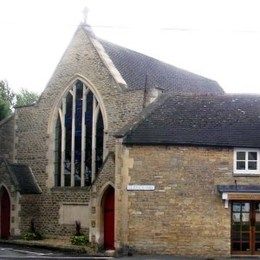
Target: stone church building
x,y
148,157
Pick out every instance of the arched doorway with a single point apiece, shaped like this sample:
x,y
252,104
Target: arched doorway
x,y
109,217
5,213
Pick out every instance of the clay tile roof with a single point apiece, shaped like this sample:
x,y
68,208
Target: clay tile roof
x,y
208,120
134,67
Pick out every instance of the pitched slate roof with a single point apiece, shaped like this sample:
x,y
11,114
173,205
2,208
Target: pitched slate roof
x,y
25,179
22,178
208,120
134,67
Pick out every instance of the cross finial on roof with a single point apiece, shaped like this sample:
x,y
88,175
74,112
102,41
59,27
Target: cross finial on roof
x,y
85,14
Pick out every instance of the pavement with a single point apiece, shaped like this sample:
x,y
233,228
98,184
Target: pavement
x,y
9,251
62,249
53,244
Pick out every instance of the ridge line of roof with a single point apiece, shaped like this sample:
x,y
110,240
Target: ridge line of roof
x,y
156,59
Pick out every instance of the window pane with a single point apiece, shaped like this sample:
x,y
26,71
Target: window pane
x,y
252,156
245,226
236,246
236,217
241,165
245,237
257,236
245,217
236,207
236,236
78,133
245,247
257,246
241,155
252,166
245,207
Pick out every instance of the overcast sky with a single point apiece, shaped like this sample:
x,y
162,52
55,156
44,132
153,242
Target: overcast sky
x,y
219,39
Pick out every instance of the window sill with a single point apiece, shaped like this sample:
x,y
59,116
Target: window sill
x,y
246,174
69,188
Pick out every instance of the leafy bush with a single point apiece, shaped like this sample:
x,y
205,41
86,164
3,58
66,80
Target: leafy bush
x,y
32,234
80,240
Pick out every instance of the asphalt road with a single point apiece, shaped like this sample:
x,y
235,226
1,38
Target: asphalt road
x,y
22,252
19,252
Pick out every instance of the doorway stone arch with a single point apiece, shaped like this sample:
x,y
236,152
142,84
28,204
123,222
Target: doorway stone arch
x,y
108,218
98,204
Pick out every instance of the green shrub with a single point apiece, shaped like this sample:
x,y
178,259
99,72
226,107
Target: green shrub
x,y
80,240
32,236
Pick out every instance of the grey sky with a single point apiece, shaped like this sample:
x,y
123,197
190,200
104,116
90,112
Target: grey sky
x,y
218,39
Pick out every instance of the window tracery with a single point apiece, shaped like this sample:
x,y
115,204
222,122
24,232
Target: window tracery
x,y
79,138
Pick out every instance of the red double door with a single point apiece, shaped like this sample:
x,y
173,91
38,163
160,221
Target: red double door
x,y
5,214
109,219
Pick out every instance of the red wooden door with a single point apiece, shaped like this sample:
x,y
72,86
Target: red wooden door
x,y
109,219
5,214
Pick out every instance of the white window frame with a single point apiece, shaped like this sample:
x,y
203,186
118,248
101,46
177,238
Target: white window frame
x,y
246,171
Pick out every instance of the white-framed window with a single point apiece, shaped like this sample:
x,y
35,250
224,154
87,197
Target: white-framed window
x,y
246,161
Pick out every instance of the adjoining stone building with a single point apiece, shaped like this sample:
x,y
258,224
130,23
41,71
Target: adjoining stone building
x,y
148,157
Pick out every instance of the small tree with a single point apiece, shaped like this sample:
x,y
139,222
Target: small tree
x,y
6,99
26,97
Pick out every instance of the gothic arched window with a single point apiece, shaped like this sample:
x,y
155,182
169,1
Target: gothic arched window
x,y
79,138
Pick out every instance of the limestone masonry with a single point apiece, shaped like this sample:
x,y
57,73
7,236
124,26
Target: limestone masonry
x,y
111,117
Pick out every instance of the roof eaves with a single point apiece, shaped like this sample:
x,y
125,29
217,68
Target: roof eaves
x,y
183,143
35,181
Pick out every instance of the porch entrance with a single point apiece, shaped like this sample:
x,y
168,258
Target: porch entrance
x,y
5,214
245,229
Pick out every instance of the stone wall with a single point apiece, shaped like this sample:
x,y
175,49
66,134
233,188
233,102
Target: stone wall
x,y
184,215
35,132
45,209
7,138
